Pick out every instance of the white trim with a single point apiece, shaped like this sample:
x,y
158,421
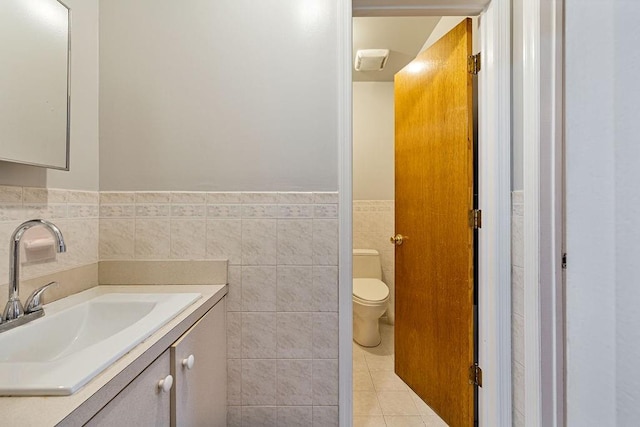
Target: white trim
x,y
495,189
495,201
460,10
531,182
345,165
543,210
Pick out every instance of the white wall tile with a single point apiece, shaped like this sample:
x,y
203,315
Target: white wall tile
x,y
295,198
259,198
117,198
517,241
11,195
259,211
294,382
295,211
234,335
214,198
258,383
153,197
294,335
325,211
325,335
234,382
295,239
325,382
153,210
294,288
234,416
325,242
187,197
325,197
259,288
152,238
188,238
295,416
224,211
259,416
258,335
234,294
224,240
283,287
325,288
188,211
325,416
116,238
259,241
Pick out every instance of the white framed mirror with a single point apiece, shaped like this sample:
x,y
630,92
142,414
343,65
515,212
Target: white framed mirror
x,y
35,55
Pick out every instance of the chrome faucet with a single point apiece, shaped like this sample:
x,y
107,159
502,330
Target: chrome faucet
x,y
14,309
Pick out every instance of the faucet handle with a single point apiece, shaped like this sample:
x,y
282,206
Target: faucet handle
x,y
34,302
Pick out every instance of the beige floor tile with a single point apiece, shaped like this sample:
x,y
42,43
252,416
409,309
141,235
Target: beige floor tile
x,y
366,403
387,381
423,408
362,381
379,363
359,362
433,421
399,421
397,403
359,421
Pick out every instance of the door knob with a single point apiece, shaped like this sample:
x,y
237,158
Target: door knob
x,y
188,362
166,384
397,239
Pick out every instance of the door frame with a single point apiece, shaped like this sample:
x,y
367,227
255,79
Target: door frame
x,y
543,180
494,121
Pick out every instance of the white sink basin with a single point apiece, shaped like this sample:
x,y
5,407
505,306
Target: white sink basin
x,y
60,352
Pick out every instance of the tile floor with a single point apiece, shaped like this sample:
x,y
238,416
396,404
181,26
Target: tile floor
x,y
380,397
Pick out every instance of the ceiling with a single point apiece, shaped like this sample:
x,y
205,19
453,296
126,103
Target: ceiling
x,y
403,36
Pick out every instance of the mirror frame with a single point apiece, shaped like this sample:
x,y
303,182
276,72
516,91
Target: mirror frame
x,y
68,138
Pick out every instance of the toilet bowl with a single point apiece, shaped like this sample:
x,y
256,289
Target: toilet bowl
x,y
370,297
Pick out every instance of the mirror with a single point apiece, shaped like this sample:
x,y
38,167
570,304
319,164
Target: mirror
x,y
34,82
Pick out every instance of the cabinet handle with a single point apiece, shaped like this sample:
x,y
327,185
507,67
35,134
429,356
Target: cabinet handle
x,y
189,361
166,384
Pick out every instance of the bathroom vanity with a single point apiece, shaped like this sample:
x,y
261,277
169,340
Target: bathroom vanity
x,y
177,376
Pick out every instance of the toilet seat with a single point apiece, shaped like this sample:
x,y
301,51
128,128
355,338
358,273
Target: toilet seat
x,y
370,290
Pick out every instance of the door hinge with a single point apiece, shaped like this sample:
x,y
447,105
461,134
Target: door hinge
x,y
474,64
475,375
475,218
564,261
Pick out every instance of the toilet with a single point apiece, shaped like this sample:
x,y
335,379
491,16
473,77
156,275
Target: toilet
x,y
370,297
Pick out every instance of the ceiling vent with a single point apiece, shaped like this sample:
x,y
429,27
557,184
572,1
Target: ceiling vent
x,y
371,59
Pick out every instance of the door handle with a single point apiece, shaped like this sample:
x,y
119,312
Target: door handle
x,y
398,239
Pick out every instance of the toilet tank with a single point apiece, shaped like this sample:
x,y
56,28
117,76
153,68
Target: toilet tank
x,y
366,264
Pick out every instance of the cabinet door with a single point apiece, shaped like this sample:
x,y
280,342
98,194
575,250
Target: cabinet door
x,y
142,402
199,397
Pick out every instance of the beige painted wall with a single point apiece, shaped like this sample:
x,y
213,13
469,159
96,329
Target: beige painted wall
x,y
218,95
373,141
83,174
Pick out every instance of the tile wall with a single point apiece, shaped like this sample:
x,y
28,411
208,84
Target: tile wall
x,y
282,306
373,224
282,320
74,212
517,306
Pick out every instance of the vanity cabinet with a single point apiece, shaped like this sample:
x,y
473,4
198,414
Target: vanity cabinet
x,y
196,363
142,402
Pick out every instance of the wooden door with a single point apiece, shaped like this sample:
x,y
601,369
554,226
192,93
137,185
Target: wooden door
x,y
434,331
